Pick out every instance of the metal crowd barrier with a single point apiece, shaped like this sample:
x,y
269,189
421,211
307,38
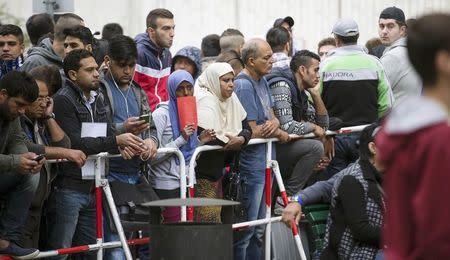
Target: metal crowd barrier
x,y
103,185
186,214
270,165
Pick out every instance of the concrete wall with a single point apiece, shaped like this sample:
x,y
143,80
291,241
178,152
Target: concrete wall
x,y
197,18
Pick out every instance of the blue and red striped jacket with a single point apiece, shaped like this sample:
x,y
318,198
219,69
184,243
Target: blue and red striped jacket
x,y
152,69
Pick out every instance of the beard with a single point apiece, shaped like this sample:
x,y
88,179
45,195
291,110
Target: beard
x,y
5,112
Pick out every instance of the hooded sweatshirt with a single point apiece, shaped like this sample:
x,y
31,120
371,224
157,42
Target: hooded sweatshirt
x,y
194,54
414,148
403,78
152,69
43,54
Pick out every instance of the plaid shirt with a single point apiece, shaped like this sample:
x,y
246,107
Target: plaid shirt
x,y
281,60
349,247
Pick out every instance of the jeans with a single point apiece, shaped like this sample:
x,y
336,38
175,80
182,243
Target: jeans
x,y
250,245
346,152
71,221
17,191
297,160
109,235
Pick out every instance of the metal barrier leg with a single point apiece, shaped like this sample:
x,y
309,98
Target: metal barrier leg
x,y
98,205
268,198
99,221
190,209
115,216
295,232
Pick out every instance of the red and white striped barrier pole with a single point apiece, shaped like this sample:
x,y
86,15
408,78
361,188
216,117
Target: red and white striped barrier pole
x,y
245,225
268,197
85,248
98,205
190,209
295,232
344,130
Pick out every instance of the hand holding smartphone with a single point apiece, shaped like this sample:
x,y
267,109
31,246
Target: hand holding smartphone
x,y
146,118
39,157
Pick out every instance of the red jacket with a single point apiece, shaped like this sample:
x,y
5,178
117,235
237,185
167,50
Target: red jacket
x,y
414,146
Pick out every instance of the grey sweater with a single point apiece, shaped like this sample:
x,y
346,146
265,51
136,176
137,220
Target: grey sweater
x,y
12,145
164,170
41,55
403,78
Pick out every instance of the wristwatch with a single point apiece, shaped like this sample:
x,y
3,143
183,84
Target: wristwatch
x,y
47,117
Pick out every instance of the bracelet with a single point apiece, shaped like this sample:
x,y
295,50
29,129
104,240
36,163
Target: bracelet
x,y
296,198
300,200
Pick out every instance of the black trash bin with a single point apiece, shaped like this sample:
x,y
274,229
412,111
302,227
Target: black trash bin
x,y
191,241
187,240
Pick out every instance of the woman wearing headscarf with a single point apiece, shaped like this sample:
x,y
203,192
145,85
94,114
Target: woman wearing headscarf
x,y
219,109
165,169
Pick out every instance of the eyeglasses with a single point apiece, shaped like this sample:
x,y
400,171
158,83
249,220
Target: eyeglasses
x,y
43,99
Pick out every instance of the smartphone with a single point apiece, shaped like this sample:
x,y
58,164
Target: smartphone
x,y
39,157
146,118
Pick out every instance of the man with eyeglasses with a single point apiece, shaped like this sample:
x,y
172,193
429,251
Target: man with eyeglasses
x,y
44,136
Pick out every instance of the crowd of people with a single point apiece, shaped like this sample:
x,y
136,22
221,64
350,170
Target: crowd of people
x,y
383,184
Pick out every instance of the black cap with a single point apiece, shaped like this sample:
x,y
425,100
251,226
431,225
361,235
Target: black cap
x,y
280,21
393,13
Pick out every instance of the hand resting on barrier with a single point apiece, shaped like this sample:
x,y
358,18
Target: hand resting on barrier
x,y
292,212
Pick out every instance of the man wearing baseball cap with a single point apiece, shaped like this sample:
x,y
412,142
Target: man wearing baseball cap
x,y
354,89
392,31
287,22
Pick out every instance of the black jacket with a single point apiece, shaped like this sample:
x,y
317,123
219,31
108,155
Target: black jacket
x,y
71,112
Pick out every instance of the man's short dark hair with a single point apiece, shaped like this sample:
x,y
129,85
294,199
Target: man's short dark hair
x,y
72,60
426,37
122,48
20,84
155,14
66,21
7,29
80,32
326,41
38,25
231,32
210,45
110,30
68,16
277,37
302,58
50,75
348,40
